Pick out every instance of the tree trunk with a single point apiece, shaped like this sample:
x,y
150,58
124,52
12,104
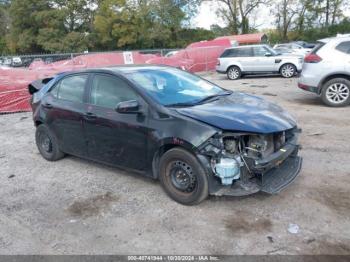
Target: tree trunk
x,y
327,13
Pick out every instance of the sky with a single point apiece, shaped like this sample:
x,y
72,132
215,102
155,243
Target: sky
x,y
207,17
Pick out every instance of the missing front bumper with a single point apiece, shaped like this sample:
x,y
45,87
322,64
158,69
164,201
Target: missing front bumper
x,y
280,177
271,182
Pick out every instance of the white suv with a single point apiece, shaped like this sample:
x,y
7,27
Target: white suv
x,y
326,71
257,59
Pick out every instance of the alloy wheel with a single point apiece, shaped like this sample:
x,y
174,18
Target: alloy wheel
x,y
337,93
233,73
288,71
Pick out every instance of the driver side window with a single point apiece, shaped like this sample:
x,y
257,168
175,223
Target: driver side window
x,y
108,91
260,51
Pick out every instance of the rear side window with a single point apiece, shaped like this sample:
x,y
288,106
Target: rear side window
x,y
230,53
237,52
344,47
108,91
317,47
245,52
71,88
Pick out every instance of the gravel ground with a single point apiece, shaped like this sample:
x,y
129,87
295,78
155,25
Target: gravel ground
x,y
75,206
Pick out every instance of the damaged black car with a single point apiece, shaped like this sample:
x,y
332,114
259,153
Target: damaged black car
x,y
197,138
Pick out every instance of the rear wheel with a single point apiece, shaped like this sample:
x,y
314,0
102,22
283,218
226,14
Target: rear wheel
x,y
47,144
234,72
182,177
336,92
288,70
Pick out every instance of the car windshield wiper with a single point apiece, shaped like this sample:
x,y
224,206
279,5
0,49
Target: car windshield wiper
x,y
180,104
208,98
185,104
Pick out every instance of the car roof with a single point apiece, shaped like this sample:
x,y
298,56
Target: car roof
x,y
119,69
335,38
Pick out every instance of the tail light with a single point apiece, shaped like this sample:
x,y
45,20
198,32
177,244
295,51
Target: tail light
x,y
312,58
218,62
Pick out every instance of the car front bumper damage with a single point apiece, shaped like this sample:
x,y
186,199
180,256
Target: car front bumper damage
x,y
271,174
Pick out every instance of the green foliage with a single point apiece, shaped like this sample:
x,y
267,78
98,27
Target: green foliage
x,y
144,24
31,26
311,34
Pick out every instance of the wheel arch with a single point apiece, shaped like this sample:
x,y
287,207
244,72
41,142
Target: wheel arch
x,y
167,145
286,63
232,65
330,77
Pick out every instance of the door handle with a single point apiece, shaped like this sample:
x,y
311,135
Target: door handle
x,y
90,116
47,105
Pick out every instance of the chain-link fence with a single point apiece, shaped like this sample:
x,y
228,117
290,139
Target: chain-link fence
x,y
27,59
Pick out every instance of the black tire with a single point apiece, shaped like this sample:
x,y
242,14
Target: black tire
x,y
288,70
336,89
177,162
234,73
47,144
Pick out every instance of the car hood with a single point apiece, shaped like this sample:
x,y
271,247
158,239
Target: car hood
x,y
243,113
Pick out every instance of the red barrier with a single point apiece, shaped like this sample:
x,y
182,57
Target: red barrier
x,y
14,97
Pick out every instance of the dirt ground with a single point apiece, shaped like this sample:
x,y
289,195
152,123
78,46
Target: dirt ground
x,y
75,206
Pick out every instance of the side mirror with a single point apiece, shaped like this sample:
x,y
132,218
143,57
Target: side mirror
x,y
268,54
128,107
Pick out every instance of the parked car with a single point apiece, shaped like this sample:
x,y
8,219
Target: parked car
x,y
7,61
283,51
305,44
294,48
326,71
257,59
195,137
171,53
16,61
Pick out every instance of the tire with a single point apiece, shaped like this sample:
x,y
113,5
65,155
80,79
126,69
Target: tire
x,y
47,144
336,92
288,70
234,73
177,165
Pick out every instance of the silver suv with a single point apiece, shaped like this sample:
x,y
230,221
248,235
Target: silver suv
x,y
326,71
257,59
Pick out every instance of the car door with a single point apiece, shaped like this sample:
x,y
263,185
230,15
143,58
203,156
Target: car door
x,y
115,138
64,109
264,60
245,58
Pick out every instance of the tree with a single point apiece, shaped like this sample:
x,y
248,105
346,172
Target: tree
x,y
142,23
238,12
24,25
285,11
230,13
4,25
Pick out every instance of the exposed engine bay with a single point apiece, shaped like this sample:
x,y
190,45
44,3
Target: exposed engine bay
x,y
243,158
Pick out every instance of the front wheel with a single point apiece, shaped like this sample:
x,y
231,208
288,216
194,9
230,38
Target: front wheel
x,y
234,73
336,92
288,70
182,177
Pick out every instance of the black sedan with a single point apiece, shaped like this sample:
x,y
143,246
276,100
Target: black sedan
x,y
197,138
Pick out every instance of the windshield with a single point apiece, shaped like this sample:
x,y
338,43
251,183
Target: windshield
x,y
273,52
172,87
